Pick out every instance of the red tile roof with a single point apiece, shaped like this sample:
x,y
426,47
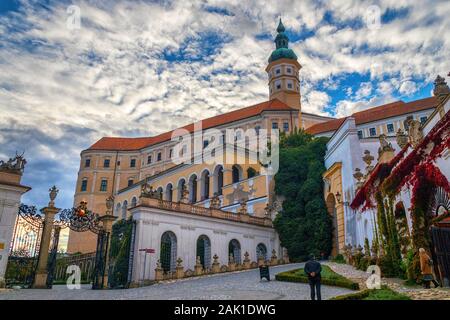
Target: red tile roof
x,y
130,144
385,111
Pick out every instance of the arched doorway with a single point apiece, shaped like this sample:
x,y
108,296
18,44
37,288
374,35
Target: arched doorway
x,y
236,173
204,251
234,249
193,189
218,183
181,185
205,185
331,208
168,254
169,192
261,251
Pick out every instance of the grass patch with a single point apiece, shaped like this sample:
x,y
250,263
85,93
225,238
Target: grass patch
x,y
329,277
385,293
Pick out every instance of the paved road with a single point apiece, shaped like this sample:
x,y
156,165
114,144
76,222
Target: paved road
x,y
244,285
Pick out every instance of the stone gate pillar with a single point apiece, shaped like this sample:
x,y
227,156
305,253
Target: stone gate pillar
x,y
107,221
11,192
40,279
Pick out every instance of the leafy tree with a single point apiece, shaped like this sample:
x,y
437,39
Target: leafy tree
x,y
304,224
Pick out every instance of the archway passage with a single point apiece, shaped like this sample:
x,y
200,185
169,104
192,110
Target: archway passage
x,y
204,251
331,208
234,250
168,254
261,251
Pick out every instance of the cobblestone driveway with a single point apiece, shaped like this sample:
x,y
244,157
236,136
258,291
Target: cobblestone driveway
x,y
243,285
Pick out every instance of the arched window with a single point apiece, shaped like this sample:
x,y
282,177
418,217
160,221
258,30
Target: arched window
x,y
181,184
133,202
218,182
124,209
168,253
205,185
204,251
169,192
234,250
117,212
193,189
160,192
261,251
251,173
237,173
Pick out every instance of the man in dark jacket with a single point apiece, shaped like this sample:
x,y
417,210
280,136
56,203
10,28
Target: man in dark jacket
x,y
312,270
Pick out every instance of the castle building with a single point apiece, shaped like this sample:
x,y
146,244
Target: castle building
x,y
222,204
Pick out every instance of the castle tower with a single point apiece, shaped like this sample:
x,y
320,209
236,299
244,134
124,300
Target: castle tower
x,y
283,72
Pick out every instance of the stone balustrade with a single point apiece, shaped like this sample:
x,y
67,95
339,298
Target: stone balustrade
x,y
202,211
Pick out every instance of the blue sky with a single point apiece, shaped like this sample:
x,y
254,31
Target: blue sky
x,y
139,68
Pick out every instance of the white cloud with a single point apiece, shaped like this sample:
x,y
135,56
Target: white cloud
x,y
61,89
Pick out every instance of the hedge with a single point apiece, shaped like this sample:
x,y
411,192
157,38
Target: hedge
x,y
329,277
385,293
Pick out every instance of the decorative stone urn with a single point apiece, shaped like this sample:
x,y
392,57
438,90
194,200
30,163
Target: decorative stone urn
x,y
198,268
215,265
159,274
274,259
179,273
247,261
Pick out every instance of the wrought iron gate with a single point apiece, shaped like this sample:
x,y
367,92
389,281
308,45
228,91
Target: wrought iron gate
x,y
24,249
441,248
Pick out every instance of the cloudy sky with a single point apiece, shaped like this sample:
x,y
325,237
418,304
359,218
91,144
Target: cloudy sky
x,y
74,71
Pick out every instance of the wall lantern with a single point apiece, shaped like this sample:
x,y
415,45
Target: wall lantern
x,y
338,197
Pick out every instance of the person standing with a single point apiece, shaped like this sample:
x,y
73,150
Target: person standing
x,y
312,270
426,267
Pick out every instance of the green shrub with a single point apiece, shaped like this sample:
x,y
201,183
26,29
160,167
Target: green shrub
x,y
329,277
339,259
385,293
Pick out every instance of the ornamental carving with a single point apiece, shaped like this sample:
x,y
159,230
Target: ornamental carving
x,y
14,165
415,134
368,158
385,145
402,138
440,87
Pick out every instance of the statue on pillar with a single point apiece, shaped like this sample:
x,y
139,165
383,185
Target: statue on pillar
x,y
402,138
415,133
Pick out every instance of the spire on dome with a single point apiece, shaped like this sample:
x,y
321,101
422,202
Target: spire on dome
x,y
282,45
281,27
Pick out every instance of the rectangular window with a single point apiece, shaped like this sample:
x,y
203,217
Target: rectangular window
x,y
390,127
278,71
373,132
104,185
289,70
158,157
149,159
278,85
84,185
286,126
170,153
205,143
274,125
133,163
106,163
423,120
87,163
289,85
257,128
130,182
360,134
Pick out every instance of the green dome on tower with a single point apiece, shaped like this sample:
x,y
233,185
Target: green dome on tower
x,y
282,42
